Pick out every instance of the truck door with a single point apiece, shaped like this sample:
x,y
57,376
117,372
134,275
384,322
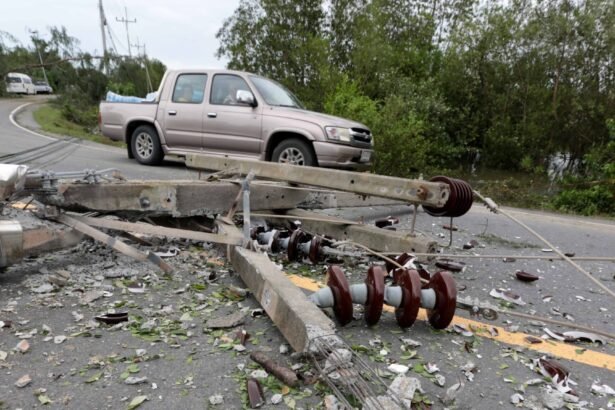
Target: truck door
x,y
182,114
230,127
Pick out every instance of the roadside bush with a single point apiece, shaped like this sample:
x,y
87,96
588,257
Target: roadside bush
x,y
592,190
348,102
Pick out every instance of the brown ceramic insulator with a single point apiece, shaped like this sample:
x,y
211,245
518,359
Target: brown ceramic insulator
x,y
255,230
410,283
296,238
459,201
443,312
424,274
315,254
342,306
401,259
450,265
375,295
275,243
255,393
525,276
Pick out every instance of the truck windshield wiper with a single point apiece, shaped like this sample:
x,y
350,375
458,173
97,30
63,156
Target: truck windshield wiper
x,y
287,106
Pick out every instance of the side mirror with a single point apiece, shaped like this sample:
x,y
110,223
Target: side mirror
x,y
245,97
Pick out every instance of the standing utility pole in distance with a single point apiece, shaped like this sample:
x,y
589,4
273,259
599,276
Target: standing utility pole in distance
x,y
103,23
126,21
40,58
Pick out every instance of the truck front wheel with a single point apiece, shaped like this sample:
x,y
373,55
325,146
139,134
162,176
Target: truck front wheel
x,y
146,145
294,151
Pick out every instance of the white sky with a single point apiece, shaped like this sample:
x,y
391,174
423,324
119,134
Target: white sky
x,y
180,33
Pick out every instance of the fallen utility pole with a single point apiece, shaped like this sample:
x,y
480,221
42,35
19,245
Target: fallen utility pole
x,y
374,238
174,197
409,190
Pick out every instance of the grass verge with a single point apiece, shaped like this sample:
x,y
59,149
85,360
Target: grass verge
x,y
50,120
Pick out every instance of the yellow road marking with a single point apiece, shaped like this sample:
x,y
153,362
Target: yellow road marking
x,y
555,348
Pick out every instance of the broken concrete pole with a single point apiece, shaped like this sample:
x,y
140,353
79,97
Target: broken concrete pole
x,y
374,238
409,190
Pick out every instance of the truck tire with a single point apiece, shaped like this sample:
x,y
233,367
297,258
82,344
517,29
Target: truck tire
x,y
295,152
145,145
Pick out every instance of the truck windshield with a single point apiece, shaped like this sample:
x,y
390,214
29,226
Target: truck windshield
x,y
274,93
13,80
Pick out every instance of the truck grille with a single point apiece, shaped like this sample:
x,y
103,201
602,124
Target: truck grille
x,y
361,135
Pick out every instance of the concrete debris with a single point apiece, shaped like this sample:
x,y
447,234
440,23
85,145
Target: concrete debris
x,y
259,374
403,388
135,380
228,321
216,399
90,296
398,368
451,394
516,398
59,339
331,402
44,288
603,389
23,346
23,381
276,399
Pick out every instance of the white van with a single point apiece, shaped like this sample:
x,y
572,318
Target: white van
x,y
17,83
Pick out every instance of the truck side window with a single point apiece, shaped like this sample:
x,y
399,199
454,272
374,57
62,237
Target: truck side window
x,y
189,88
224,89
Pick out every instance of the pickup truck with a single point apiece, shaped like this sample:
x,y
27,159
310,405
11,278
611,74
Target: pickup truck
x,y
235,114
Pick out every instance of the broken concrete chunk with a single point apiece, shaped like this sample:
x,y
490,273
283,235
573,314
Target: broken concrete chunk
x,y
398,368
516,398
276,398
44,288
232,320
90,296
331,402
23,381
603,389
135,380
59,339
216,399
23,346
403,388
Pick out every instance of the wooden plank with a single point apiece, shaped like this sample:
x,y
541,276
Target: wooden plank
x,y
159,230
409,190
374,238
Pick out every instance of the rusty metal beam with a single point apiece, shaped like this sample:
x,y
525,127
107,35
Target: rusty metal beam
x,y
409,190
374,238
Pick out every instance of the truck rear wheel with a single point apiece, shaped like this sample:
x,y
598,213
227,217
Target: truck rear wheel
x,y
294,151
145,145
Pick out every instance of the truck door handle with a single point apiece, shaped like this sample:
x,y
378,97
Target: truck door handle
x,y
172,112
212,114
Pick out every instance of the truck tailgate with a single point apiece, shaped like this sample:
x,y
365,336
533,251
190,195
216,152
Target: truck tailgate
x,y
115,116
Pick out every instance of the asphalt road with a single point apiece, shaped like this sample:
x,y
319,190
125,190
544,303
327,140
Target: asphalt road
x,y
185,373
23,133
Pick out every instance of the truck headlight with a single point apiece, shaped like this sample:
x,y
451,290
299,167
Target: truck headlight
x,y
338,134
